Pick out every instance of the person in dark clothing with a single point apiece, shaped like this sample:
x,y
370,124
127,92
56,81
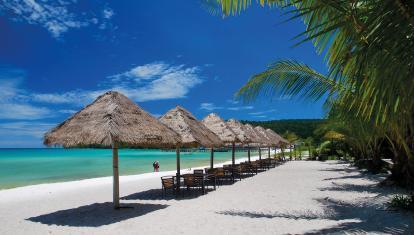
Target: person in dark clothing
x,y
156,166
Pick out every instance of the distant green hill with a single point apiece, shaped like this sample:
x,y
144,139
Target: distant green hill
x,y
301,127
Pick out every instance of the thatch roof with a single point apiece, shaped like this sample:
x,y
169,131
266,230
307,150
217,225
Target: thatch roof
x,y
112,117
239,129
263,134
219,127
254,136
192,131
276,137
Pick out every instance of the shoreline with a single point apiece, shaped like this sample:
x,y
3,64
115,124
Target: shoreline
x,y
40,189
298,197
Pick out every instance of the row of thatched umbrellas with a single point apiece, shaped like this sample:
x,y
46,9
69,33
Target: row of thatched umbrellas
x,y
115,121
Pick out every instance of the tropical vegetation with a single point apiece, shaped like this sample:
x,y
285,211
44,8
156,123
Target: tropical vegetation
x,y
369,49
303,128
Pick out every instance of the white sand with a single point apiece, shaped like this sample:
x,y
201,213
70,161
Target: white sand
x,y
298,197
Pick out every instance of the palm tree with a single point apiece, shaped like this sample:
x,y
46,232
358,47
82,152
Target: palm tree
x,y
332,136
369,48
308,142
291,137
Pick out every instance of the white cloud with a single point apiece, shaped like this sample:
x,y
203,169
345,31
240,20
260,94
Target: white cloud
x,y
33,129
13,101
107,13
52,15
240,108
263,112
23,111
261,117
67,111
146,72
209,106
212,106
77,97
155,81
231,101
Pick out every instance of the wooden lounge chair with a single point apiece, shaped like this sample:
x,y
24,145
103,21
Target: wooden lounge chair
x,y
247,169
198,172
257,166
167,184
194,181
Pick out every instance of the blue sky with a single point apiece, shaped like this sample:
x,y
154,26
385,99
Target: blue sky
x,y
57,56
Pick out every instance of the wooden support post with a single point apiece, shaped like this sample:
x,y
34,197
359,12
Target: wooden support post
x,y
115,176
177,152
248,153
260,153
268,153
233,157
212,158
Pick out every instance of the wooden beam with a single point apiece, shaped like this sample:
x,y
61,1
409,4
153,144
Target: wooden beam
x,y
248,153
260,153
268,153
115,176
177,152
212,158
233,152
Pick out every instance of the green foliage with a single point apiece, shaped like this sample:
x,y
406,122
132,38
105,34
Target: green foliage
x,y
303,128
402,202
369,50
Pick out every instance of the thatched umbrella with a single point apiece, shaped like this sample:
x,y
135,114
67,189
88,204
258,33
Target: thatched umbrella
x,y
219,127
280,141
255,139
112,121
240,131
262,132
193,133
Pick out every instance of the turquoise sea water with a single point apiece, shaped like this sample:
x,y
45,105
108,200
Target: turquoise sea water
x,y
20,167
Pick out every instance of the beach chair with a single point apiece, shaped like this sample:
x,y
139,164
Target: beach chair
x,y
194,181
167,184
246,169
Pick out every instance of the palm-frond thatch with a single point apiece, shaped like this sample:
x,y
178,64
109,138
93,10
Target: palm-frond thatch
x,y
255,137
240,131
276,137
219,127
112,118
192,131
264,135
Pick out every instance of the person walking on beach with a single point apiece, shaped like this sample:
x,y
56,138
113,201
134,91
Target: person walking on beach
x,y
156,165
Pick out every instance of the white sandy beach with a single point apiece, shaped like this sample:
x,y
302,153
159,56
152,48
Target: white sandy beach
x,y
299,197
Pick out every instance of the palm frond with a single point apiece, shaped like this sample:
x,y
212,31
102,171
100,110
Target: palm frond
x,y
289,78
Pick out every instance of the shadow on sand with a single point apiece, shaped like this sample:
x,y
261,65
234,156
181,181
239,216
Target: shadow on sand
x,y
366,218
366,215
157,194
96,214
362,218
307,216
